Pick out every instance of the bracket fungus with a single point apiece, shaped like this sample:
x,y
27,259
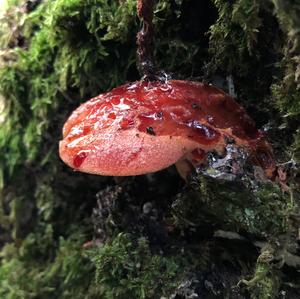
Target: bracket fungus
x,y
146,126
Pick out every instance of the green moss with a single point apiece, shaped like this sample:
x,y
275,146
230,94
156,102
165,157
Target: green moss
x,y
265,282
235,32
126,268
232,206
69,274
296,147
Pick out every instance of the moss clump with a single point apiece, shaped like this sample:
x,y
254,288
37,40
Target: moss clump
x,y
30,271
232,206
265,282
235,32
126,268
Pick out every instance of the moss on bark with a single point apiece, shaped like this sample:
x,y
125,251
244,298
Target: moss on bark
x,y
173,241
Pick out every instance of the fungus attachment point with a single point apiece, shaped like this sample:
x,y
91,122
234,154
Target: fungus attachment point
x,y
145,39
145,126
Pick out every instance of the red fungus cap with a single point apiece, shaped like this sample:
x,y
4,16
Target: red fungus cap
x,y
143,127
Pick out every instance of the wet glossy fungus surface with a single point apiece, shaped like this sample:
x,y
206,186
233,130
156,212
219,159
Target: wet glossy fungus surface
x,y
175,108
193,111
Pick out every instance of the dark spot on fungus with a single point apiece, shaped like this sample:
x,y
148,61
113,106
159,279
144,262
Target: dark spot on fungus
x,y
150,131
195,106
159,114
